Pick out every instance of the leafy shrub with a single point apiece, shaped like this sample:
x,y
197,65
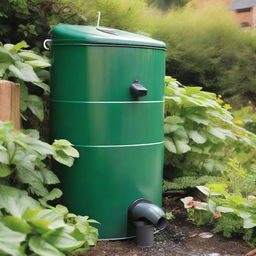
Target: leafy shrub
x,y
246,116
206,47
28,69
230,206
28,224
189,182
200,133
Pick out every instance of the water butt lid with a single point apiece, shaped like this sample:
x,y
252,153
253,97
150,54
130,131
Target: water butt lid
x,y
77,34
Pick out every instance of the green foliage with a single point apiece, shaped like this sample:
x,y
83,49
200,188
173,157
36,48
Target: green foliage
x,y
166,4
189,182
230,205
28,224
248,117
169,216
28,69
200,133
206,47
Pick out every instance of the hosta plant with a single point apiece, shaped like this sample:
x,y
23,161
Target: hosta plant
x,y
29,226
200,133
28,69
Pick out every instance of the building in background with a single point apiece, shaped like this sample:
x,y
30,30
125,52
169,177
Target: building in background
x,y
245,11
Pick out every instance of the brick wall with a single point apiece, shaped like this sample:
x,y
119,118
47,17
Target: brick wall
x,y
246,16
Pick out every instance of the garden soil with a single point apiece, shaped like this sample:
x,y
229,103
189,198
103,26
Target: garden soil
x,y
180,238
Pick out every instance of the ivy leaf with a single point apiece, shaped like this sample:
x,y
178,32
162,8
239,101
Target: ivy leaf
x,y
42,248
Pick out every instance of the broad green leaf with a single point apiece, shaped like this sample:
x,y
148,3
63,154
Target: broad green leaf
x,y
62,158
209,165
169,128
174,120
10,240
217,132
218,188
43,85
24,72
29,55
181,134
62,143
249,223
4,157
197,137
181,146
170,146
26,161
54,218
40,146
198,119
52,195
16,201
224,209
38,63
39,226
16,224
35,104
42,248
30,214
3,67
49,177
6,56
18,46
70,151
211,206
63,241
204,190
4,171
191,90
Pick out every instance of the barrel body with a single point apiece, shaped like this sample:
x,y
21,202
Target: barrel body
x,y
119,138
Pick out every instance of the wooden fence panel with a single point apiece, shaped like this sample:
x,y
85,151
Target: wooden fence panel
x,y
10,102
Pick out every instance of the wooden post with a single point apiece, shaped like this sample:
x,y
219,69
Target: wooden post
x,y
10,102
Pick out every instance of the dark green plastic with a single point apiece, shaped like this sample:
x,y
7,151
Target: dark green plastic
x,y
119,138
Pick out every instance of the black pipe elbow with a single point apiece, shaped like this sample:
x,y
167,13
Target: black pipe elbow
x,y
144,209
